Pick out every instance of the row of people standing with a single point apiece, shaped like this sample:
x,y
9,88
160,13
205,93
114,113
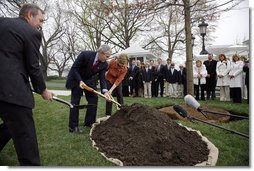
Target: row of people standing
x,y
230,77
225,74
149,79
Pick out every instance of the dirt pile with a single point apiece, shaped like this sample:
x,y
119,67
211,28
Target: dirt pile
x,y
140,135
213,118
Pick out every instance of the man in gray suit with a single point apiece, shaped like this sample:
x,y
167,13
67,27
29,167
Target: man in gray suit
x,y
20,41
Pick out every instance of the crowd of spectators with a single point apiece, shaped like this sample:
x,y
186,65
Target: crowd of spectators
x,y
154,79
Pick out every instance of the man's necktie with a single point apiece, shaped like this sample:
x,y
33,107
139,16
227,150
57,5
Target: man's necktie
x,y
95,64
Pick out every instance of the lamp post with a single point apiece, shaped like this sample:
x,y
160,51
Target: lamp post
x,y
192,43
202,26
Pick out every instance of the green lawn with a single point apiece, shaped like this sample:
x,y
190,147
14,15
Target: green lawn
x,y
58,147
58,81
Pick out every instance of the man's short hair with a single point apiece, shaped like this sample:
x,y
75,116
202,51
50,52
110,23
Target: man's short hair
x,y
34,9
210,54
104,48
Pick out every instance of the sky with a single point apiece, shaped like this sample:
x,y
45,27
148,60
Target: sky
x,y
233,26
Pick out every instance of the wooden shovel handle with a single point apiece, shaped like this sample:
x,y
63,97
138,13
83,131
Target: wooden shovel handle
x,y
87,87
98,93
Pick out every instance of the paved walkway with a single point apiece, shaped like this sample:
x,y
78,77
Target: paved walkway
x,y
61,92
55,84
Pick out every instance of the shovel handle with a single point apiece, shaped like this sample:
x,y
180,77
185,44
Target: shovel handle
x,y
102,95
98,93
87,87
62,101
71,105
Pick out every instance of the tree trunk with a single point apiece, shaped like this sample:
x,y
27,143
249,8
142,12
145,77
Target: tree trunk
x,y
189,56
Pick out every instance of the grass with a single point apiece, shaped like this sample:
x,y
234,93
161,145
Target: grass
x,y
56,88
60,148
57,81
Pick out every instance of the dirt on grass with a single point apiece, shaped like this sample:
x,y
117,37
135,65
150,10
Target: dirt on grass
x,y
140,135
212,118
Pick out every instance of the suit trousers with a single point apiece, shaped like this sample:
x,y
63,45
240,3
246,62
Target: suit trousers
x,y
90,117
18,124
172,89
159,85
147,89
196,91
236,94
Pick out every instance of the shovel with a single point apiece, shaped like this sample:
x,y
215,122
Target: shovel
x,y
72,105
98,93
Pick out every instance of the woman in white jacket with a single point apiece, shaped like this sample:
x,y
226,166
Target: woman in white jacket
x,y
199,79
222,70
235,75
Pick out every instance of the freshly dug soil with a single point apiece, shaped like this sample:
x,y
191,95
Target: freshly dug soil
x,y
213,118
140,135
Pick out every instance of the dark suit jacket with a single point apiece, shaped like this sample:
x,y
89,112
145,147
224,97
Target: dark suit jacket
x,y
211,68
19,61
171,78
182,76
212,80
133,72
82,70
146,76
161,73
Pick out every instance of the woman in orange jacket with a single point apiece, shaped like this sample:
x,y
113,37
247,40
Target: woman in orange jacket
x,y
117,69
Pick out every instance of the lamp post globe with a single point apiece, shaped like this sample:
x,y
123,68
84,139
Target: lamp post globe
x,y
203,26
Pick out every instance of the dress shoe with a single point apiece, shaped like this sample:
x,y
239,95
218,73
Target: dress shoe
x,y
88,125
75,130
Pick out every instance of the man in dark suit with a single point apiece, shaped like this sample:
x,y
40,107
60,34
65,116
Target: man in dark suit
x,y
182,81
84,70
154,77
133,77
146,75
160,78
211,78
171,76
19,60
125,84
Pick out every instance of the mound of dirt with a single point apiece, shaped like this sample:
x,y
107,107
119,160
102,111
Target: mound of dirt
x,y
140,135
213,118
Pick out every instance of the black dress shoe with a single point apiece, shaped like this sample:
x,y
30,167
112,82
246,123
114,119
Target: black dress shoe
x,y
75,130
87,125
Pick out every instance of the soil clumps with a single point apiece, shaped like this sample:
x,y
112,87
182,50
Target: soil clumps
x,y
140,135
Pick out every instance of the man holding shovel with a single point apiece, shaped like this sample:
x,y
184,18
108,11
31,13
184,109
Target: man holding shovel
x,y
20,41
84,72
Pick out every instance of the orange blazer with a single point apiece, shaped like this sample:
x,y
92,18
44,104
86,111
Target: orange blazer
x,y
115,73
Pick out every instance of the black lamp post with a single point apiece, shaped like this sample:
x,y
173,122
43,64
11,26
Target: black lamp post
x,y
202,26
193,39
192,43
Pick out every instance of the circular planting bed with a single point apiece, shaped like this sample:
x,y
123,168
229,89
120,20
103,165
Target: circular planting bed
x,y
140,135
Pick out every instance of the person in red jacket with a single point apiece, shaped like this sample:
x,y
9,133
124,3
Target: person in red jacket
x,y
117,69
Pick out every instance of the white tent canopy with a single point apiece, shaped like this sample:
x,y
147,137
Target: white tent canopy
x,y
229,50
135,51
